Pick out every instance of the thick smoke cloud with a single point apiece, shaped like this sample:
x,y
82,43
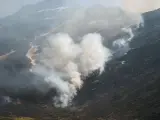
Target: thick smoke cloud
x,y
94,54
64,61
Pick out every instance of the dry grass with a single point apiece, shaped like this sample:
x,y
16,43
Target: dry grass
x,y
23,118
17,118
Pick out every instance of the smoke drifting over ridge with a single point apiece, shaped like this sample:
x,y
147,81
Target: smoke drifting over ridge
x,y
81,47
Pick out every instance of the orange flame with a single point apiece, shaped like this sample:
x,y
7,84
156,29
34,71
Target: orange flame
x,y
5,56
31,54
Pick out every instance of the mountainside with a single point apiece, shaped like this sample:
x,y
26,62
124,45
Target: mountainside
x,y
127,90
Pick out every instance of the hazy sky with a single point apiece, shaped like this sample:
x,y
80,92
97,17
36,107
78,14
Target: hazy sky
x,y
8,7
141,5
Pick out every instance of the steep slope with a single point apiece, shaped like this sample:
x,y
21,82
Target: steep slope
x,y
149,34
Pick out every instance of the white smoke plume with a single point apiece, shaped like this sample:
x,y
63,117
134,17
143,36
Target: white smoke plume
x,y
93,54
121,46
63,63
